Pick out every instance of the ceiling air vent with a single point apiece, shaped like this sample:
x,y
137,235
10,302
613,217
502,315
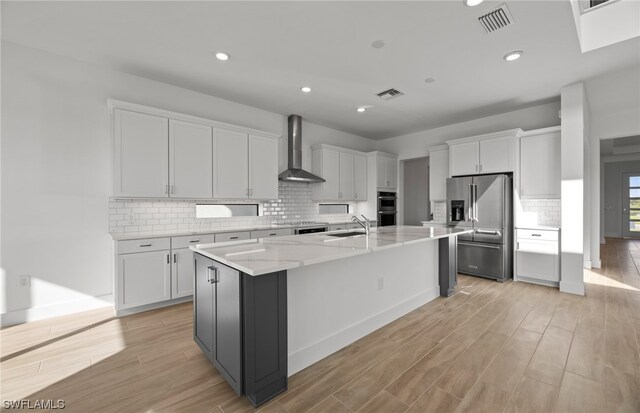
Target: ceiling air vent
x,y
496,19
390,94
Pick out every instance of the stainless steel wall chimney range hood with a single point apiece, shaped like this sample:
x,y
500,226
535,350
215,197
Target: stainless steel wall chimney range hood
x,y
294,171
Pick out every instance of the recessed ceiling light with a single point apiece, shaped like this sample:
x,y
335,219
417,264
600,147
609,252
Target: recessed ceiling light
x,y
361,109
378,44
305,89
472,3
429,80
222,56
511,56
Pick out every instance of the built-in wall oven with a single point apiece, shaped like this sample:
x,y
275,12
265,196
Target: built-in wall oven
x,y
387,208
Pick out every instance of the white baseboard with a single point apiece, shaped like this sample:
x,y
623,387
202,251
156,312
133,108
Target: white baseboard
x,y
153,306
572,288
586,264
329,345
55,310
596,264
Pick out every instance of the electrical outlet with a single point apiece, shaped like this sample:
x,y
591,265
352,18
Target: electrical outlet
x,y
380,284
131,217
24,281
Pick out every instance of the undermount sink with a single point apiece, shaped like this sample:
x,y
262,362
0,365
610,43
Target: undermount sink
x,y
346,234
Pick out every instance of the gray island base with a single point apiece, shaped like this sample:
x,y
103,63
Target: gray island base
x,y
265,309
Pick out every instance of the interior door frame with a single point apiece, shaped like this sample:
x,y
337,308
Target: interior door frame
x,y
626,233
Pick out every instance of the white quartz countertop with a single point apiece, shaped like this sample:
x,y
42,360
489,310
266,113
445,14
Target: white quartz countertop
x,y
267,255
129,236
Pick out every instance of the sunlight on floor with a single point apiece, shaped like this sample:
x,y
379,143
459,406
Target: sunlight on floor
x,y
591,277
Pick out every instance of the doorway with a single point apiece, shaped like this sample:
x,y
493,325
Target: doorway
x,y
416,191
631,204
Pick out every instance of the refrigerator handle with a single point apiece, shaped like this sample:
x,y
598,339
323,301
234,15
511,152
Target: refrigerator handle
x,y
470,214
475,202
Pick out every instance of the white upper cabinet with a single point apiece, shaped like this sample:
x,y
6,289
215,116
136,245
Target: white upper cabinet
x,y
190,160
326,164
386,171
162,154
344,172
360,177
438,173
484,154
496,155
464,158
263,167
347,176
540,163
231,164
141,153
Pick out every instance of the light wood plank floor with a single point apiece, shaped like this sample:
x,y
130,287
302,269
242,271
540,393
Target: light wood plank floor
x,y
511,347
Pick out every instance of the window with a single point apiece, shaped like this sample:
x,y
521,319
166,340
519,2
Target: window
x,y
634,204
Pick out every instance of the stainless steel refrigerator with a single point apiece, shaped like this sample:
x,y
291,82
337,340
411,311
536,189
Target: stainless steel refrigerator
x,y
483,203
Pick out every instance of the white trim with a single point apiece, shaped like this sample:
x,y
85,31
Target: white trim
x,y
494,135
148,110
543,131
621,158
437,149
320,146
329,345
55,310
572,288
153,306
587,264
596,264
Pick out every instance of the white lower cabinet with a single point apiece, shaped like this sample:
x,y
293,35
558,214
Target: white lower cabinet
x,y
182,273
143,278
538,256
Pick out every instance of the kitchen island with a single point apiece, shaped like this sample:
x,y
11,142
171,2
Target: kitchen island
x,y
267,308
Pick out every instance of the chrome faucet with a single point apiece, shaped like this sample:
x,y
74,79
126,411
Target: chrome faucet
x,y
366,223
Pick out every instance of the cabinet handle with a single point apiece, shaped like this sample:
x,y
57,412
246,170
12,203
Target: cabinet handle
x,y
144,245
175,258
168,259
233,237
172,189
212,274
480,167
271,235
536,235
194,241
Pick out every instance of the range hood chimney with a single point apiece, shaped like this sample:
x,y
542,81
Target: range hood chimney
x,y
294,171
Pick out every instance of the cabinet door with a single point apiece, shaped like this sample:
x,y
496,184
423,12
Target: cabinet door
x,y
182,273
392,173
496,156
203,320
141,155
438,174
331,174
540,166
347,187
360,177
263,168
143,278
190,160
464,158
228,325
381,172
231,164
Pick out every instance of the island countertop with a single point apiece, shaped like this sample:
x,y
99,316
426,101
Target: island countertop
x,y
267,255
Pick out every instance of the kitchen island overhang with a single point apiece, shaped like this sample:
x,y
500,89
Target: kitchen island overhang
x,y
288,302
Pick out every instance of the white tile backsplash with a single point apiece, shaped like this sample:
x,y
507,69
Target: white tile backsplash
x,y
153,217
540,212
439,211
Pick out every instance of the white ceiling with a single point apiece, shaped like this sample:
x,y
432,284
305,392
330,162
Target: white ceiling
x,y
276,47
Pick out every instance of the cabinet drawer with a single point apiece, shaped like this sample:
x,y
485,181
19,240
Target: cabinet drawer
x,y
266,233
538,265
232,236
537,234
187,240
143,245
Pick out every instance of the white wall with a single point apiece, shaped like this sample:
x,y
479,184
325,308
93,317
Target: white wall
x,y
415,144
574,119
55,172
